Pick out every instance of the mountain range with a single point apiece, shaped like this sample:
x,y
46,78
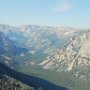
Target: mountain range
x,y
46,51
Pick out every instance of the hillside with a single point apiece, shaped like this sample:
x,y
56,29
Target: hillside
x,y
8,83
30,81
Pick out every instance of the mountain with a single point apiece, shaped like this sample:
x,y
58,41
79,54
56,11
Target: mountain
x,y
72,56
9,50
37,37
58,54
6,45
41,41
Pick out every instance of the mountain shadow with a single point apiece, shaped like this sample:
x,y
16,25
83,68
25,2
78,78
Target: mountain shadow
x,y
37,83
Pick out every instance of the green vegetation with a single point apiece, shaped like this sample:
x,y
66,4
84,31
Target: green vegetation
x,y
66,79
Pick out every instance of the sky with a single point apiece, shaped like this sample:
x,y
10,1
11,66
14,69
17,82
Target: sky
x,y
74,13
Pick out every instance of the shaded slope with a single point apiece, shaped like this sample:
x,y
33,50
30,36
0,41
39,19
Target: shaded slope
x,y
29,80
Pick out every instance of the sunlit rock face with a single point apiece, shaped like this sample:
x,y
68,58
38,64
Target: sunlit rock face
x,y
74,55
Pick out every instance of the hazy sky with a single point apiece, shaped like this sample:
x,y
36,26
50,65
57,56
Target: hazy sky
x,y
45,12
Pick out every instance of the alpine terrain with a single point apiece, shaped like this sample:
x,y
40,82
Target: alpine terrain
x,y
60,55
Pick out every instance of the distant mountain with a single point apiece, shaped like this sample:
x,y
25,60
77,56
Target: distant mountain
x,y
41,41
9,50
37,37
8,45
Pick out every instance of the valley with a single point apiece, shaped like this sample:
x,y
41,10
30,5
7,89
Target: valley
x,y
60,55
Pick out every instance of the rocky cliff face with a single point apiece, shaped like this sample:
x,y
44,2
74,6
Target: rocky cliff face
x,y
74,55
52,48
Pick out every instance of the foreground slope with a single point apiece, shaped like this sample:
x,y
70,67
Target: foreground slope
x,y
37,83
